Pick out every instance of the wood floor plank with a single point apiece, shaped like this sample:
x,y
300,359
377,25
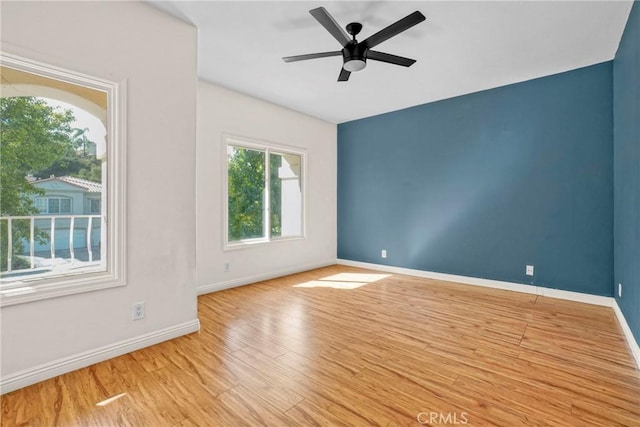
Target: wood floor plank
x,y
306,413
283,393
252,408
342,346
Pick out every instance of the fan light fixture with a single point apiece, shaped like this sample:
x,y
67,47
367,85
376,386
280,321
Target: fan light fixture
x,y
354,65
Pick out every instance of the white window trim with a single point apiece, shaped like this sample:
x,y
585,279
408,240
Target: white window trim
x,y
268,147
28,290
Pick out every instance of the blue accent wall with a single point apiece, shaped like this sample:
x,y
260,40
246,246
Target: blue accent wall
x,y
626,95
482,184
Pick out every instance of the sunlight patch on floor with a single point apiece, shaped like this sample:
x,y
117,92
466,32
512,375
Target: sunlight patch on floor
x,y
111,399
344,281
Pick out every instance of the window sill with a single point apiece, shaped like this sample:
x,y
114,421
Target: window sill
x,y
29,290
246,244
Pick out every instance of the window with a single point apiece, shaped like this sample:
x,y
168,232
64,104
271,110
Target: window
x,y
94,206
264,192
54,205
46,249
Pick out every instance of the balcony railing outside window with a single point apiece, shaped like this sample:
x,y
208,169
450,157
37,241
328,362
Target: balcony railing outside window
x,y
46,245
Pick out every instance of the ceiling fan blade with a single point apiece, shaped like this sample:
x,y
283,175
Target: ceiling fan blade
x,y
391,59
330,24
394,29
311,56
344,75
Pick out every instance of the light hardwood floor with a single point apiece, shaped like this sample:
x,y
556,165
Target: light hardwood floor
x,y
343,346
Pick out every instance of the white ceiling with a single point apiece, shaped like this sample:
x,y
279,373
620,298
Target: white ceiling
x,y
462,47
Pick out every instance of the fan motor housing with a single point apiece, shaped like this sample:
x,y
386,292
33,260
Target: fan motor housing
x,y
354,56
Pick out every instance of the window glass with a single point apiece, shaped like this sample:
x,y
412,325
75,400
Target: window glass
x,y
65,205
54,206
41,205
95,206
246,181
286,195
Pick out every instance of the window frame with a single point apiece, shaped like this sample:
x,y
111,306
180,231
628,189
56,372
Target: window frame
x,y
27,289
268,148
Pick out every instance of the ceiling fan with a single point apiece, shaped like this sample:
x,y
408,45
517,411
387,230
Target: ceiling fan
x,y
354,53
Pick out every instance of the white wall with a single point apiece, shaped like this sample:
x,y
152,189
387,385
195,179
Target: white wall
x,y
220,111
156,56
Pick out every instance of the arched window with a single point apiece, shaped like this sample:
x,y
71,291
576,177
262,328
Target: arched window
x,y
63,163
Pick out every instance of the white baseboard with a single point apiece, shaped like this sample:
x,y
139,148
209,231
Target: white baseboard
x,y
633,344
67,364
488,283
246,280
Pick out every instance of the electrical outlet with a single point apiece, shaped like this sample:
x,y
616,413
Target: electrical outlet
x,y
227,267
529,270
620,290
383,253
138,311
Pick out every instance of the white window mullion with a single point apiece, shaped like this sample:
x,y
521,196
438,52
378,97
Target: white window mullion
x,y
267,196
